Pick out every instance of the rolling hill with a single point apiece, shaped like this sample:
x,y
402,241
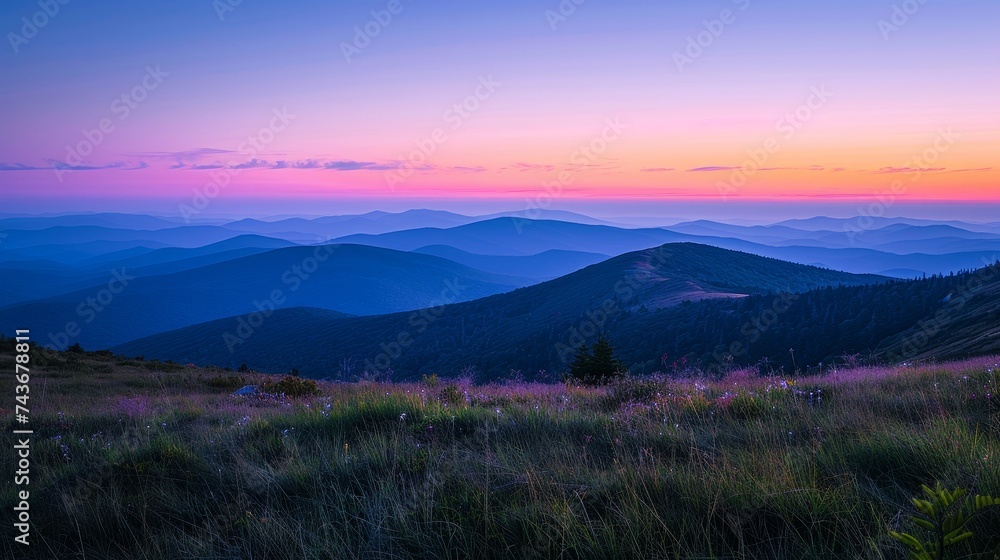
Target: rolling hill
x,y
543,266
379,222
966,322
512,236
350,278
817,223
893,246
105,219
173,254
27,280
328,227
520,237
185,236
73,253
499,332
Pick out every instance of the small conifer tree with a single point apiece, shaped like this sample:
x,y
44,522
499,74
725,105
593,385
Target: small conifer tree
x,y
596,367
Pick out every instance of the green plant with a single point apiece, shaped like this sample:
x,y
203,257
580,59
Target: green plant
x,y
746,406
597,368
226,382
451,395
945,516
155,365
292,387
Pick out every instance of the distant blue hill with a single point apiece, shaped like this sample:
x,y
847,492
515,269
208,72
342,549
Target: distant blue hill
x,y
891,237
170,254
37,279
870,222
326,228
73,253
354,280
515,236
329,227
185,236
107,220
543,266
529,320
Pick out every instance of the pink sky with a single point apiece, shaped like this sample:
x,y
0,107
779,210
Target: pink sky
x,y
789,101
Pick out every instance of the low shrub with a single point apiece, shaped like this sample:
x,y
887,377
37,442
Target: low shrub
x,y
228,382
291,387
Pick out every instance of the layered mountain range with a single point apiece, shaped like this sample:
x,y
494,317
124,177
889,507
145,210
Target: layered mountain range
x,y
426,291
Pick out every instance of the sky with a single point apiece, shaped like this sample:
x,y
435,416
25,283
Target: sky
x,y
735,107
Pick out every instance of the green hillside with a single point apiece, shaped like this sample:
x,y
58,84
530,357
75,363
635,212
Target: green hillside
x,y
527,329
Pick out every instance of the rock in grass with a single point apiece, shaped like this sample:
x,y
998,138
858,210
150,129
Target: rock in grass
x,y
246,390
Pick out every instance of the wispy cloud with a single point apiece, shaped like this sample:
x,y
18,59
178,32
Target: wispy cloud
x,y
863,195
184,155
809,168
335,165
466,169
350,165
714,168
304,164
523,167
530,167
885,170
975,170
188,159
22,167
735,167
610,165
93,166
205,159
63,166
251,164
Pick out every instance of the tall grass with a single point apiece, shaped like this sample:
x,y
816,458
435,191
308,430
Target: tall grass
x,y
139,463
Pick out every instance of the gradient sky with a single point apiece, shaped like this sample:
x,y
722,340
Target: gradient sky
x,y
904,102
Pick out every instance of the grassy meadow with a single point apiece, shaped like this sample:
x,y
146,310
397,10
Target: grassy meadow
x,y
145,460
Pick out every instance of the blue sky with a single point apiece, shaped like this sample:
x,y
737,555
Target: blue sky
x,y
897,80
